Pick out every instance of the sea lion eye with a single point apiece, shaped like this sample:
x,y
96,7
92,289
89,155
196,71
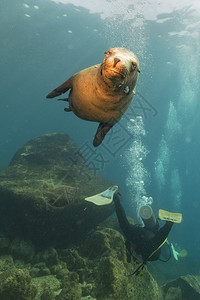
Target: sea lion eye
x,y
108,52
133,66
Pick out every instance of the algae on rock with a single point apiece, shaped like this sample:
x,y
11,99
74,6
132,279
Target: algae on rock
x,y
46,285
185,287
103,270
17,284
42,192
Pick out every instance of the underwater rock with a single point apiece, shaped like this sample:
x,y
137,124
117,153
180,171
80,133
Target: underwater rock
x,y
43,270
50,257
95,269
56,268
47,295
46,285
174,293
6,262
61,274
103,270
105,241
16,284
35,272
70,292
42,192
185,287
88,298
73,258
22,249
4,244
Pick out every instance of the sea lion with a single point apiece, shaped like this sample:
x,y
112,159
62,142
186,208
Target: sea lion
x,y
103,92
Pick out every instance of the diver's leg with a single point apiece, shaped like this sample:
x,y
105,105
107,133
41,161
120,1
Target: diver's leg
x,y
125,226
164,231
160,236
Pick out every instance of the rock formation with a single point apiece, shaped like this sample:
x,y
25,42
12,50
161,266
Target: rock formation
x,y
42,192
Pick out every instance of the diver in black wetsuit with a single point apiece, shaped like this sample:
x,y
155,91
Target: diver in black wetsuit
x,y
144,241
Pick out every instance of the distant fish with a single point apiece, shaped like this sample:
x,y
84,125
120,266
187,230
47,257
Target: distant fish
x,y
26,5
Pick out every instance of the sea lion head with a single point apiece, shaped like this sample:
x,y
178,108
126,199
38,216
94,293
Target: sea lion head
x,y
120,67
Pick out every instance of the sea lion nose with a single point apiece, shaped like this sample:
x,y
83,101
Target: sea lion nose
x,y
116,60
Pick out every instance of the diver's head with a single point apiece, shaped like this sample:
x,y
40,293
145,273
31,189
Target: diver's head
x,y
147,216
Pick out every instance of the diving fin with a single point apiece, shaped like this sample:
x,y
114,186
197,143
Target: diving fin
x,y
174,252
169,216
182,254
103,198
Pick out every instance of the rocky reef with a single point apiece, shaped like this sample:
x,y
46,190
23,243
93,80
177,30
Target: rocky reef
x,y
42,192
17,284
56,246
183,288
96,269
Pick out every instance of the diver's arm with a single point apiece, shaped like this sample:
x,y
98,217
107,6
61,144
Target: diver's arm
x,y
161,235
125,226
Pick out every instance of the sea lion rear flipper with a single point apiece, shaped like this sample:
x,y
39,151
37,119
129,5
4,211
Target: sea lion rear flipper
x,y
61,89
100,134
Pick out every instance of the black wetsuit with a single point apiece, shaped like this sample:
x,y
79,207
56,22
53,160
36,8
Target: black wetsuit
x,y
143,240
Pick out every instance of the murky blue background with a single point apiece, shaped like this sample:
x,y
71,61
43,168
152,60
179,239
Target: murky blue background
x,y
43,43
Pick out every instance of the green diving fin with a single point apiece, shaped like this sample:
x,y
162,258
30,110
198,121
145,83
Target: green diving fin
x,y
182,254
103,198
174,252
169,216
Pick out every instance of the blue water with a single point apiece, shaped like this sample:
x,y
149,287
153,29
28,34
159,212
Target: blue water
x,y
43,43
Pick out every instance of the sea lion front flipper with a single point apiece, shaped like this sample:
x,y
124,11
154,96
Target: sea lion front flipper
x,y
100,134
61,89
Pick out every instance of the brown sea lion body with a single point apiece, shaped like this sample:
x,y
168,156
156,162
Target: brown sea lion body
x,y
103,92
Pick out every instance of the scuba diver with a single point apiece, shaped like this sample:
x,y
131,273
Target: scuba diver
x,y
144,240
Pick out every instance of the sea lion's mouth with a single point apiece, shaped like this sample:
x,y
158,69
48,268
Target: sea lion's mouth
x,y
113,71
123,74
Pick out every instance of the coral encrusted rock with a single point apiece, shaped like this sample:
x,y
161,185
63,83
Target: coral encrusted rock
x,y
17,284
100,266
184,288
43,189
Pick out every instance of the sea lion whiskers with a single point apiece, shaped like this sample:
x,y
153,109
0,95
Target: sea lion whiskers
x,y
120,70
123,74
